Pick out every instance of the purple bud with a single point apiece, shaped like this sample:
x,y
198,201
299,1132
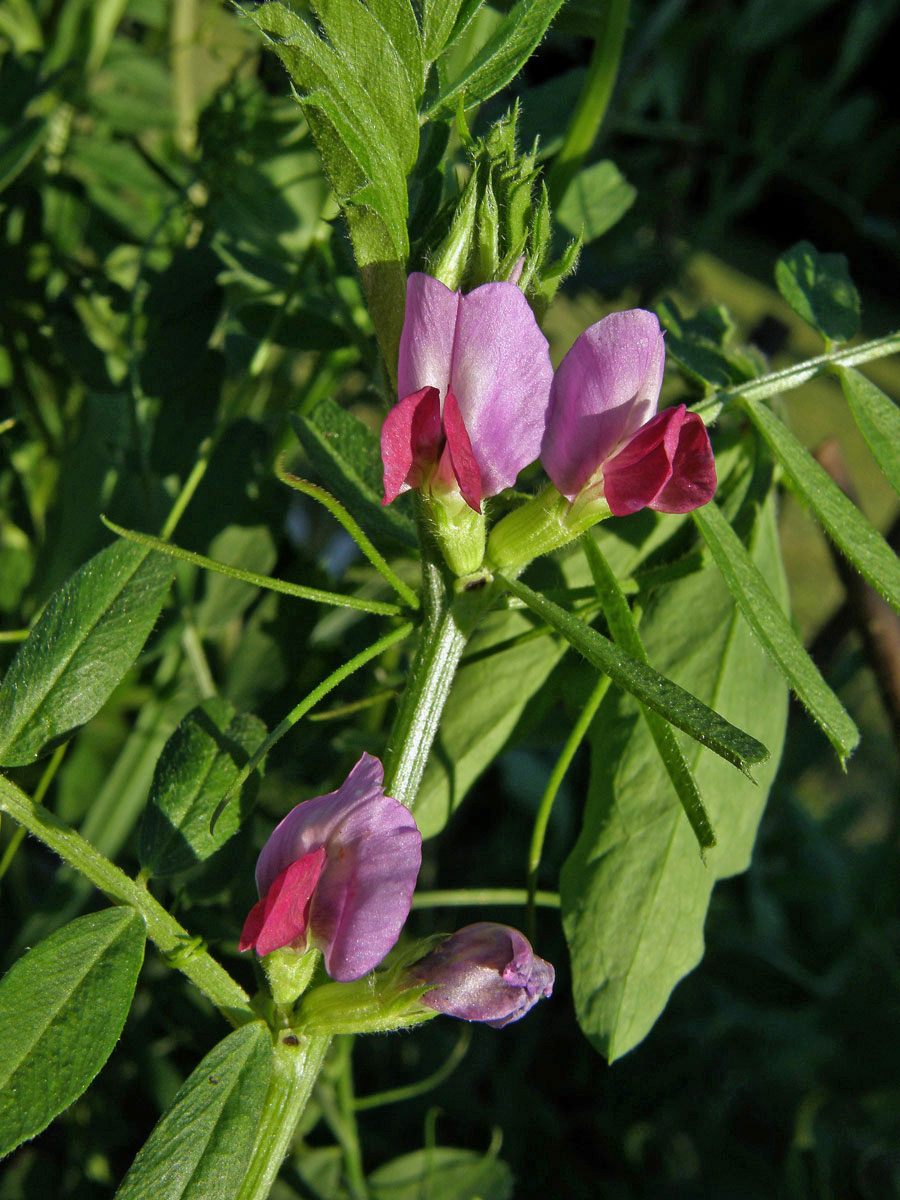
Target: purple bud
x,y
484,972
338,873
489,364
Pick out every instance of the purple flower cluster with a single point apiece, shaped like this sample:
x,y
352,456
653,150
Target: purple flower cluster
x,y
479,401
338,874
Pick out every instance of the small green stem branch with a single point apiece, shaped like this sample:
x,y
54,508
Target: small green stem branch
x,y
475,897
295,1071
539,832
792,377
264,581
412,1090
184,497
172,939
593,101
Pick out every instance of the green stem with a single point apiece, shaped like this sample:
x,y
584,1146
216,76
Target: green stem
x,y
294,1073
309,701
349,1133
593,101
184,497
474,897
441,644
39,793
412,1090
539,832
340,514
263,581
171,938
792,377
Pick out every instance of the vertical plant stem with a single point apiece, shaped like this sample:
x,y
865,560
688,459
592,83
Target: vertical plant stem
x,y
295,1071
593,101
542,819
441,643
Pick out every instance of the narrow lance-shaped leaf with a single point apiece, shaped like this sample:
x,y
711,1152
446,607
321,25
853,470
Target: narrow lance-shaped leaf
x,y
85,640
878,420
818,288
625,632
201,760
62,1008
767,620
502,57
678,707
201,1147
860,542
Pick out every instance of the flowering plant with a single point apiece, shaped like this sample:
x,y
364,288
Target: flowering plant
x,y
518,640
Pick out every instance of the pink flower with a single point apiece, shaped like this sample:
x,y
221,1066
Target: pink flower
x,y
338,873
604,436
484,972
474,381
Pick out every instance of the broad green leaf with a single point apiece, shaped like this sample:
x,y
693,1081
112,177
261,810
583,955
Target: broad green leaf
x,y
660,694
878,420
62,1008
767,619
348,456
398,19
200,762
818,288
201,1148
438,18
19,147
860,542
502,56
368,55
634,889
248,547
701,345
442,1173
85,640
489,694
595,200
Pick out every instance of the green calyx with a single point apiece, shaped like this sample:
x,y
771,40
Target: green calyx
x,y
541,525
458,530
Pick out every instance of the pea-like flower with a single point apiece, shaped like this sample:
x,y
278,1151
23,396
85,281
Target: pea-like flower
x,y
484,972
604,437
474,380
338,874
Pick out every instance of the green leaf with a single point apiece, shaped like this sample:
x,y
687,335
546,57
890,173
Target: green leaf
x,y
818,288
634,890
200,762
368,54
660,694
300,329
84,642
348,456
700,345
860,542
623,627
201,1148
19,147
438,19
501,57
442,1173
490,691
398,18
767,619
595,200
62,1008
878,420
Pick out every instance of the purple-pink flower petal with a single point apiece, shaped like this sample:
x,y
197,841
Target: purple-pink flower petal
x,y
604,390
484,972
668,465
281,918
410,441
361,898
487,350
459,451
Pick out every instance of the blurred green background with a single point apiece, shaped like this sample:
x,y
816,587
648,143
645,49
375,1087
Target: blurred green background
x,y
173,270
